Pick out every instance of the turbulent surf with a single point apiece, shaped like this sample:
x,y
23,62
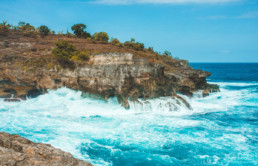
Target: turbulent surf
x,y
219,129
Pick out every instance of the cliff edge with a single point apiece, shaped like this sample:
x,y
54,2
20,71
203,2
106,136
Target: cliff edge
x,y
28,68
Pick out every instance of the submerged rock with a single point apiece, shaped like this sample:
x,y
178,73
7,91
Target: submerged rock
x,y
12,100
19,151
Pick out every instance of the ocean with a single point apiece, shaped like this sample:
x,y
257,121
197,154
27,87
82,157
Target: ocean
x,y
221,129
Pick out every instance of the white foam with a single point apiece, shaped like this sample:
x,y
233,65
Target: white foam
x,y
234,83
198,94
66,120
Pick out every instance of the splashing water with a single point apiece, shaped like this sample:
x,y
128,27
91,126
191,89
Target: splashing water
x,y
221,129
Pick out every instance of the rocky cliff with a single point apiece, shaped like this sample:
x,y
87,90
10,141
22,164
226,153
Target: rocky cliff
x,y
19,151
28,69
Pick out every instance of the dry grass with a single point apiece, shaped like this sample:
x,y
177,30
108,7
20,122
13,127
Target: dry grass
x,y
36,47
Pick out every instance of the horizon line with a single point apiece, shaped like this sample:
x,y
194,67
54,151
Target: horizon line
x,y
172,2
223,62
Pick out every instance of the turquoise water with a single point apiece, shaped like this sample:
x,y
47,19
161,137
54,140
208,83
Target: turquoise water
x,y
220,130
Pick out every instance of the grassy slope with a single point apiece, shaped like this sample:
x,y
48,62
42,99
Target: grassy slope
x,y
41,46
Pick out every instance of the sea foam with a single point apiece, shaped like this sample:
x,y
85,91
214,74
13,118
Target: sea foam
x,y
160,131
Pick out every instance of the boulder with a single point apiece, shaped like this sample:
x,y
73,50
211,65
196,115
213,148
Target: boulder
x,y
19,151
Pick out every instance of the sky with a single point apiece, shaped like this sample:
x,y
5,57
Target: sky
x,y
196,30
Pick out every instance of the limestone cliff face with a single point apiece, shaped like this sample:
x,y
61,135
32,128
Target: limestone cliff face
x,y
28,69
18,151
113,74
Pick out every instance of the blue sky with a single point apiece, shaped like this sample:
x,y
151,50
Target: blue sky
x,y
196,30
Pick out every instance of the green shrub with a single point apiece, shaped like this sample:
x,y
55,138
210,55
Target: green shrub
x,y
101,36
115,42
86,35
128,44
150,49
44,30
167,53
65,52
81,56
26,27
136,46
4,25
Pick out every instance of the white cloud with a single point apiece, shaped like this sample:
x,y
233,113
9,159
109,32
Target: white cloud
x,y
124,2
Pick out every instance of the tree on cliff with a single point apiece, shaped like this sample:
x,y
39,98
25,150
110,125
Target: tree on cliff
x,y
132,40
101,36
21,23
167,53
44,30
79,30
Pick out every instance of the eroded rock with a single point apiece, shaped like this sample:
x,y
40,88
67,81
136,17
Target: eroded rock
x,y
19,151
114,74
25,72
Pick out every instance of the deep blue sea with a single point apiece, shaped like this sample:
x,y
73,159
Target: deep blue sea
x,y
221,129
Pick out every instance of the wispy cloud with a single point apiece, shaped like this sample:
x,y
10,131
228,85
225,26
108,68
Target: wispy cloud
x,y
125,2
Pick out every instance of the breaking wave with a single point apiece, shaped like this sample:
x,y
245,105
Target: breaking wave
x,y
220,129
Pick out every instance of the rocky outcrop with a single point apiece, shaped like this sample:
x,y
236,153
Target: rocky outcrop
x,y
19,151
113,74
124,75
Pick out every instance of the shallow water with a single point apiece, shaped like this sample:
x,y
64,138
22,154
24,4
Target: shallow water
x,y
221,129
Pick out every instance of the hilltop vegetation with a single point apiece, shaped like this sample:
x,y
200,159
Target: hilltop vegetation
x,y
36,59
79,46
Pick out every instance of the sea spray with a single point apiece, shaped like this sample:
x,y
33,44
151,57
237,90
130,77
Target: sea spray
x,y
162,104
220,129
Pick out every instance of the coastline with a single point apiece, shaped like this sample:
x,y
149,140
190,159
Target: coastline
x,y
16,150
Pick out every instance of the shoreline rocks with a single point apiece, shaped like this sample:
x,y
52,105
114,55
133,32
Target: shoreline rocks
x,y
19,151
12,100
